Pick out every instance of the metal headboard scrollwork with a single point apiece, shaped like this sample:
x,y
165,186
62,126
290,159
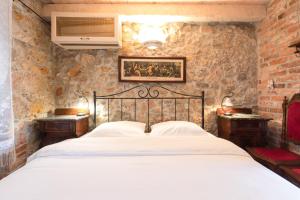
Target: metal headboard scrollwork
x,y
149,93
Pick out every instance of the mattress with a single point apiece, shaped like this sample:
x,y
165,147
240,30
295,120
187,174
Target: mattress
x,y
148,168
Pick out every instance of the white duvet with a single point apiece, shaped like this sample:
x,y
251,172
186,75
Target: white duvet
x,y
145,168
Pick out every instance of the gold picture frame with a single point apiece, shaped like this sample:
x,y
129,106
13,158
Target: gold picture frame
x,y
152,69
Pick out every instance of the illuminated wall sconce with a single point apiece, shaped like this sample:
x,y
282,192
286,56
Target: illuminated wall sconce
x,y
152,36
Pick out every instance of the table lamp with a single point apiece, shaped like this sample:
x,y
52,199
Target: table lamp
x,y
83,106
227,103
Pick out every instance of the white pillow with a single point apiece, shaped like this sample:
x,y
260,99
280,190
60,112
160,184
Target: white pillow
x,y
176,128
118,129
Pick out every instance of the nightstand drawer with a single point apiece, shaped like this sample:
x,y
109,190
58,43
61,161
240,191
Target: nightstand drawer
x,y
50,139
59,126
243,130
245,124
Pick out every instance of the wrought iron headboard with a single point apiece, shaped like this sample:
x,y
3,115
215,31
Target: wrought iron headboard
x,y
149,93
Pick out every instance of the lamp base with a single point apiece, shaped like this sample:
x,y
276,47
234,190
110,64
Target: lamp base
x,y
81,114
227,113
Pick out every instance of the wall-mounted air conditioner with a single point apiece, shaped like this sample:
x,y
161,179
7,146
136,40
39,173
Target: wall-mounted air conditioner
x,y
86,30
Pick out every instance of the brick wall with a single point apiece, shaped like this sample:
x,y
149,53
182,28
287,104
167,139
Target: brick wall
x,y
277,62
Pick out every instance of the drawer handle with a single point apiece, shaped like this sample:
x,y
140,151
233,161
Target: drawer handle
x,y
85,38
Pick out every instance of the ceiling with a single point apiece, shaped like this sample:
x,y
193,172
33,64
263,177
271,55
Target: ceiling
x,y
153,1
191,10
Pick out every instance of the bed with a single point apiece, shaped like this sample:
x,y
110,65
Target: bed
x,y
177,160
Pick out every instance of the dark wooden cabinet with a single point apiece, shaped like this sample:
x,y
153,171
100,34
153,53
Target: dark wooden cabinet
x,y
60,127
242,128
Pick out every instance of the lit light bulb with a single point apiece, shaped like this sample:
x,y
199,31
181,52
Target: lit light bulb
x,y
152,47
152,36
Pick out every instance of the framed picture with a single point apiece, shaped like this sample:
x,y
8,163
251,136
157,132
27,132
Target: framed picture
x,y
152,69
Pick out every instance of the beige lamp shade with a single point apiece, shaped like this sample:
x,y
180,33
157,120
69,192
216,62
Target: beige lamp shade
x,y
227,102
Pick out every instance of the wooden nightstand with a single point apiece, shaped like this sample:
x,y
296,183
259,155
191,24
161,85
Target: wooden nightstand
x,y
60,127
242,128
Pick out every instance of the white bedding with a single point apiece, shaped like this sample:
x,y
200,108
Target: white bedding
x,y
148,168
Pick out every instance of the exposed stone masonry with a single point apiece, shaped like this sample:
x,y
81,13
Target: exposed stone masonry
x,y
33,77
221,58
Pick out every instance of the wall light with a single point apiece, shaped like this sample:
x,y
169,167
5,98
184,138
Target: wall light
x,y
296,43
152,36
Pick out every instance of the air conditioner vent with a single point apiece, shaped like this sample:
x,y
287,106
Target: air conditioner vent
x,y
85,30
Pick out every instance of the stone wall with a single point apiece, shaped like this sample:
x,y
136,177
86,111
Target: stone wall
x,y
33,77
221,58
277,62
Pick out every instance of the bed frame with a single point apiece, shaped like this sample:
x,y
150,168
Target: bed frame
x,y
144,92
